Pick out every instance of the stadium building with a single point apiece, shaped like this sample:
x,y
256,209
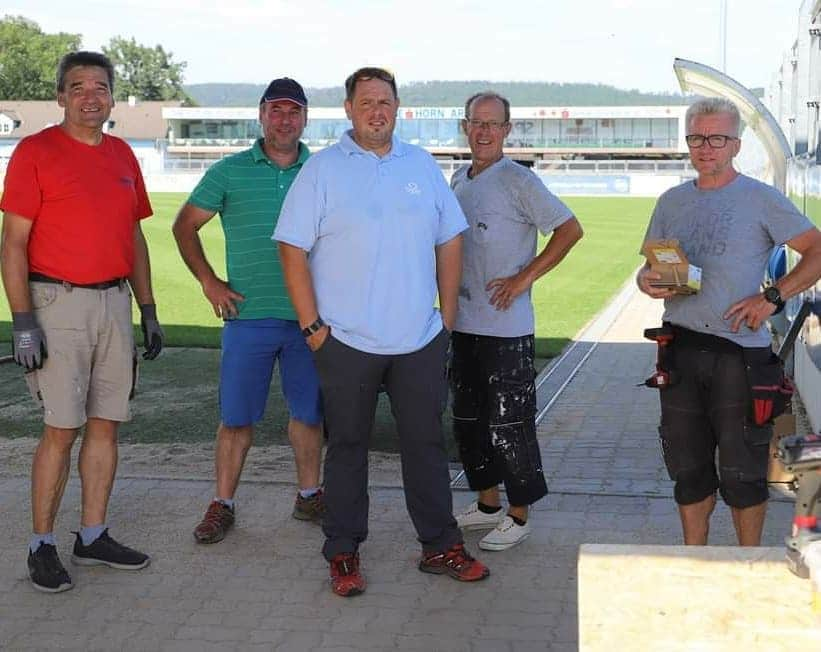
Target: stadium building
x,y
537,132
577,150
586,150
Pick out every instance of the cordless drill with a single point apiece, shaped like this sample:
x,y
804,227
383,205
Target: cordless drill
x,y
801,455
665,374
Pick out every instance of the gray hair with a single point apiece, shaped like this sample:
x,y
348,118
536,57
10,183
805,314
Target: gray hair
x,y
713,105
487,95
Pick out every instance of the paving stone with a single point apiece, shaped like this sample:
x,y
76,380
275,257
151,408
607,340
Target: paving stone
x,y
263,591
212,633
358,641
194,645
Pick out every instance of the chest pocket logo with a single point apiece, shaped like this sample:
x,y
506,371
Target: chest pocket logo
x,y
412,188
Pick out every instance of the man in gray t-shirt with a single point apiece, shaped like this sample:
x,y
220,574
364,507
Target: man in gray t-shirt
x,y
727,224
492,375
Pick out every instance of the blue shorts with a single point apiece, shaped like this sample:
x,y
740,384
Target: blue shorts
x,y
250,347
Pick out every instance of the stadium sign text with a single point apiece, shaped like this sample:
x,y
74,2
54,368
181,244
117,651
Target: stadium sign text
x,y
431,113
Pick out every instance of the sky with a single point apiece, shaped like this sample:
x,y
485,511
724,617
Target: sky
x,y
625,43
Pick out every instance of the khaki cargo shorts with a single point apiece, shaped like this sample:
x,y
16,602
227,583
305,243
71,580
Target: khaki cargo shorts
x,y
91,369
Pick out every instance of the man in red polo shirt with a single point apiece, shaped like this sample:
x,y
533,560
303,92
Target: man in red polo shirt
x,y
71,246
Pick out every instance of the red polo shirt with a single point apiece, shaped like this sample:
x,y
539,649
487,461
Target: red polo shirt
x,y
83,200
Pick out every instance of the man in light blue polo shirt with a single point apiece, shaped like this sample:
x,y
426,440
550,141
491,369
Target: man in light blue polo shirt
x,y
368,233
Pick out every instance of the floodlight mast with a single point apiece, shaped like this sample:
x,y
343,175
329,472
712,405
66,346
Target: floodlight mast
x,y
722,26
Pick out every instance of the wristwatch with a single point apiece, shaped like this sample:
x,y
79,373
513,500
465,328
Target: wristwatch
x,y
313,328
773,295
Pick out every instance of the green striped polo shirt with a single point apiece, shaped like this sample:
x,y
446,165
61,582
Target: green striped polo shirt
x,y
247,190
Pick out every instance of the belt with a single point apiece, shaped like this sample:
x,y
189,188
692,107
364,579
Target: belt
x,y
103,285
688,339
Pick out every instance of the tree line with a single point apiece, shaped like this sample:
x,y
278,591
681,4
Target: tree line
x,y
29,57
451,93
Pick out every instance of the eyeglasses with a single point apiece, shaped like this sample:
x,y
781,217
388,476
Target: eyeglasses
x,y
492,125
716,141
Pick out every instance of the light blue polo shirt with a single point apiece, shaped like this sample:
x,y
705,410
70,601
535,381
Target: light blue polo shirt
x,y
370,226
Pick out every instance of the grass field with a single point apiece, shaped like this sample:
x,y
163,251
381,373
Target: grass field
x,y
177,395
565,299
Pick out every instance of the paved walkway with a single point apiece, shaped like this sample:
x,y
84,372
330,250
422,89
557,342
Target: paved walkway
x,y
265,587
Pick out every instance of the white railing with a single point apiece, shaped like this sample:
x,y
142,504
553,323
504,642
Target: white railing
x,y
185,165
678,168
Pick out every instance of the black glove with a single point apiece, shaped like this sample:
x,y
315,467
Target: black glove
x,y
28,341
152,333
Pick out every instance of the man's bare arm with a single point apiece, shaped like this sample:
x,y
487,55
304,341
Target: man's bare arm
x,y
186,228
448,277
140,281
755,310
505,290
808,270
14,261
28,339
140,278
300,286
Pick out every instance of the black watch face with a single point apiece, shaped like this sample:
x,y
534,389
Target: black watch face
x,y
772,295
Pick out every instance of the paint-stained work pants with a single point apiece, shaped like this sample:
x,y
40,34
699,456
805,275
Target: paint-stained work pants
x,y
494,414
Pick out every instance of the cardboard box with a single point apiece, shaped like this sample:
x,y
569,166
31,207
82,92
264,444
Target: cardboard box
x,y
667,258
783,426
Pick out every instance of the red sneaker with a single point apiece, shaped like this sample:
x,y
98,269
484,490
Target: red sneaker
x,y
216,522
346,580
455,562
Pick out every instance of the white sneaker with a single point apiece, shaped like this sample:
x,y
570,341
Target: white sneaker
x,y
505,535
473,519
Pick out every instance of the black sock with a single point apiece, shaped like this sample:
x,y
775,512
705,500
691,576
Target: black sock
x,y
517,520
487,509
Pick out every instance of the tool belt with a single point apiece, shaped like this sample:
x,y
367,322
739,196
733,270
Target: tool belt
x,y
103,285
770,389
687,339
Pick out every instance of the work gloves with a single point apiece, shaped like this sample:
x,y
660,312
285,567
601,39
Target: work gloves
x,y
28,341
152,333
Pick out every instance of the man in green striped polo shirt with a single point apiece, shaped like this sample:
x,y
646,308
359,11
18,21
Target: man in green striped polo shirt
x,y
247,190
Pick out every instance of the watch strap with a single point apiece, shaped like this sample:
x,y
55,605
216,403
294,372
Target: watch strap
x,y
773,295
310,329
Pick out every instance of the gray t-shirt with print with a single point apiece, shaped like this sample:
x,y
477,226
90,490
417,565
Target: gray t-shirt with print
x,y
506,205
729,232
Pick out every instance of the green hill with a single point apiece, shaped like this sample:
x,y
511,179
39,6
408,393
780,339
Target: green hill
x,y
450,93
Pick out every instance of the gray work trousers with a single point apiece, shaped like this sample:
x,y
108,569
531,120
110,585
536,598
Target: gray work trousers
x,y
416,385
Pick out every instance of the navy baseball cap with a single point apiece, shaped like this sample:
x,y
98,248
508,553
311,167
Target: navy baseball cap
x,y
284,89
